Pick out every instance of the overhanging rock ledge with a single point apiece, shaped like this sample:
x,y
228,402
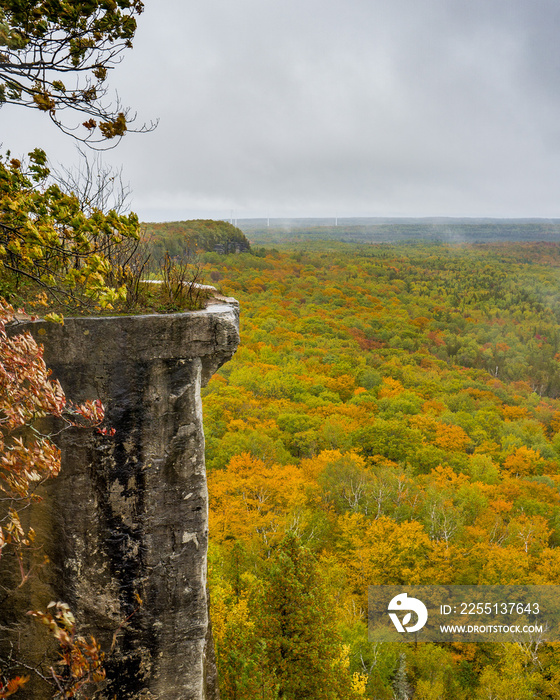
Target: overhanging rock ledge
x,y
125,525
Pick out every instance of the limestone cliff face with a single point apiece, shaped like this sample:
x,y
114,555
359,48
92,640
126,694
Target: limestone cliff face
x,y
127,519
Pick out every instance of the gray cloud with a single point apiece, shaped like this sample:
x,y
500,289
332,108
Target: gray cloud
x,y
367,107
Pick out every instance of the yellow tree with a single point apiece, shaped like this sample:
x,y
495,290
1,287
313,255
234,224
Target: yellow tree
x,y
251,500
385,552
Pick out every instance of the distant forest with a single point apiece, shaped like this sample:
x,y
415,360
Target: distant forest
x,y
205,235
387,230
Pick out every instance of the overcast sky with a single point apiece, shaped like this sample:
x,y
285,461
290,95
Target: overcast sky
x,y
336,107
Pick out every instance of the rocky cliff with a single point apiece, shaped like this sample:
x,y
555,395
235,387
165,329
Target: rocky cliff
x,y
125,525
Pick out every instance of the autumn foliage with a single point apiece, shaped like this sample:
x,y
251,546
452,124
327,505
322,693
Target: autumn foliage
x,y
395,409
28,457
52,250
27,395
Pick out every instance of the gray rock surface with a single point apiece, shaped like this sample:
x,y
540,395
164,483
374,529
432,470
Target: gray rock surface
x,y
127,519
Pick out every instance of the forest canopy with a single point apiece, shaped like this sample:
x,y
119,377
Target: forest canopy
x,y
397,407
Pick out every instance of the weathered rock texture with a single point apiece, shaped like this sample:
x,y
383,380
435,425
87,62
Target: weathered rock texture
x,y
127,520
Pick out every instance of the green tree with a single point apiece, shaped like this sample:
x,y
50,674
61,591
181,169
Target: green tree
x,y
303,651
54,57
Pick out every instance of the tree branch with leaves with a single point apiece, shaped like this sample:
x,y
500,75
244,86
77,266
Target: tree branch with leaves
x,y
55,56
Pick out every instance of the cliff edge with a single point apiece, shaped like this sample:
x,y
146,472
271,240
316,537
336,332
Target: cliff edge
x,y
125,525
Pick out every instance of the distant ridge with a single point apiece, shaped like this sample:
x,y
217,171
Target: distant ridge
x,y
387,229
178,237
